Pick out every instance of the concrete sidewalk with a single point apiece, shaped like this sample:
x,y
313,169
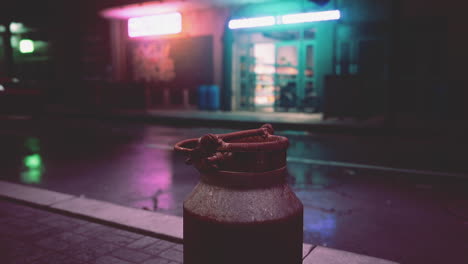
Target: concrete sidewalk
x,y
249,119
233,119
40,226
31,235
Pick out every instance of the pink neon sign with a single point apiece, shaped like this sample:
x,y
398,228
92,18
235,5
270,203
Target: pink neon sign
x,y
161,24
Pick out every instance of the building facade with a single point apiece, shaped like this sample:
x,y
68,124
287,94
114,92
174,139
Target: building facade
x,y
282,65
400,59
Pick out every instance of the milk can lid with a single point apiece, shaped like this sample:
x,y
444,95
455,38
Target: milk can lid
x,y
209,151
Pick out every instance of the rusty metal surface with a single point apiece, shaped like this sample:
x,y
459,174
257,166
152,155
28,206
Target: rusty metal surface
x,y
242,201
255,150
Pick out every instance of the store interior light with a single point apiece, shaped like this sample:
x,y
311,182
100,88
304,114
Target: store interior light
x,y
16,27
26,46
33,161
311,17
251,22
162,24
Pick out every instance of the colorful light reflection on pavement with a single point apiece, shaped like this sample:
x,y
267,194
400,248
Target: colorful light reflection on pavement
x,y
398,217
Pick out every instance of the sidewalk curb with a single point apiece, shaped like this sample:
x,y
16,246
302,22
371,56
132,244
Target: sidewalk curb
x,y
150,223
136,220
226,122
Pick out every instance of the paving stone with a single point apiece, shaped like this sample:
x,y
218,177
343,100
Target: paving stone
x,y
40,234
56,258
110,260
59,223
52,243
33,230
6,218
97,230
116,239
128,234
143,242
78,221
20,223
130,255
52,217
6,230
95,242
83,229
33,236
179,247
26,254
37,213
90,250
71,238
157,261
151,221
158,247
173,254
10,248
11,210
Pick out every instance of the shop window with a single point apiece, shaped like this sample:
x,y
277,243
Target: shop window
x,y
309,34
345,58
309,70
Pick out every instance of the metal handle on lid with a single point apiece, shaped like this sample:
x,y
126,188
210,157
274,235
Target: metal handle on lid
x,y
211,142
210,149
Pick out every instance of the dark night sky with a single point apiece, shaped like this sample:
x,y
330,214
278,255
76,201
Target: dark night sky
x,y
42,13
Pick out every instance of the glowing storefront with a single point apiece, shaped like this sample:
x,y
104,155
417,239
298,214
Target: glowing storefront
x,y
271,56
279,61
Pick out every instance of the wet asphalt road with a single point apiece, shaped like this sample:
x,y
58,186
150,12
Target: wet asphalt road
x,y
392,214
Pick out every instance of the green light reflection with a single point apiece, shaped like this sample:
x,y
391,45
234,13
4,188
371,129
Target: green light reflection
x,y
32,144
32,163
31,176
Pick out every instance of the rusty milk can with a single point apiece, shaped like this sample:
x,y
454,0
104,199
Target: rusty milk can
x,y
242,210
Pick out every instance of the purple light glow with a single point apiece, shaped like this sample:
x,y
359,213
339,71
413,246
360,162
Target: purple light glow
x,y
155,182
151,186
149,8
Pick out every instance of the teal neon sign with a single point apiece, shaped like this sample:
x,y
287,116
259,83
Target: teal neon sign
x,y
252,22
311,17
284,19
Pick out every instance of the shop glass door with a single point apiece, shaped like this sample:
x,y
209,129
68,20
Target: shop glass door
x,y
277,75
287,76
264,70
309,97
